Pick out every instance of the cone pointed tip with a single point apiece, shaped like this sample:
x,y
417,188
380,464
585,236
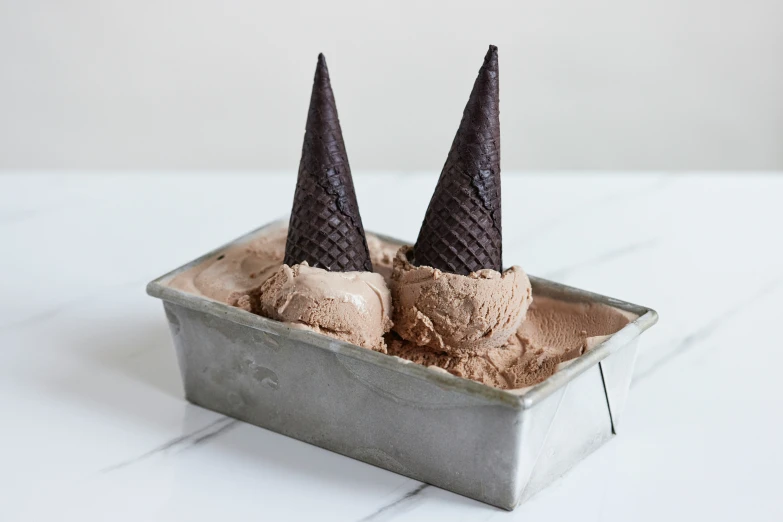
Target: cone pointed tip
x,y
321,62
321,70
491,59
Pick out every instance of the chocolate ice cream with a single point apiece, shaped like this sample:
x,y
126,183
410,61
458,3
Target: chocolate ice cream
x,y
236,270
552,332
456,314
351,306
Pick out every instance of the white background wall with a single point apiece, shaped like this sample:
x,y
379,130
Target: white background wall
x,y
198,84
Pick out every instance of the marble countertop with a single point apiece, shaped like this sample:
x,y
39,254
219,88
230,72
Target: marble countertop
x,y
95,426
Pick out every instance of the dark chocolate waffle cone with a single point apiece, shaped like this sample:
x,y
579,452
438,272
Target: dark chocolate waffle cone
x,y
325,227
461,232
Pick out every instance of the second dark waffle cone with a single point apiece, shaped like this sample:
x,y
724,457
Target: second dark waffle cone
x,y
462,232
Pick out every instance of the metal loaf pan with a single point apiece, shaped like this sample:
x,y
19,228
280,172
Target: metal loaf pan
x,y
496,446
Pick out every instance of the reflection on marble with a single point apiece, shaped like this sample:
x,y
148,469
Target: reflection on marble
x,y
97,420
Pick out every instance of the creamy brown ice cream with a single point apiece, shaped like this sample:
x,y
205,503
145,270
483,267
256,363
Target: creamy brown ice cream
x,y
457,314
241,268
551,333
351,306
382,254
237,269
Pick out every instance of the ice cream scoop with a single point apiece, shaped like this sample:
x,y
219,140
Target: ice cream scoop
x,y
351,306
457,314
553,333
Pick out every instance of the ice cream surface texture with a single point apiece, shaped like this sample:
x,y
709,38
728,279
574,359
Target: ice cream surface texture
x,y
554,332
458,314
243,266
351,306
250,274
237,269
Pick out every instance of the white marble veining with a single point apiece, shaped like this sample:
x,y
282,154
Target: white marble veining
x,y
95,426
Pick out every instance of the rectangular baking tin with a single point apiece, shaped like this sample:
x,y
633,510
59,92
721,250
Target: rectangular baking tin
x,y
496,446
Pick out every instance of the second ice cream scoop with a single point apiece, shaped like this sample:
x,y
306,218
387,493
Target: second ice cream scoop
x,y
456,314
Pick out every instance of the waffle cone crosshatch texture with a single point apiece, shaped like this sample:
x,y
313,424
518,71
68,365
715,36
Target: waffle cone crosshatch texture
x,y
325,229
462,231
